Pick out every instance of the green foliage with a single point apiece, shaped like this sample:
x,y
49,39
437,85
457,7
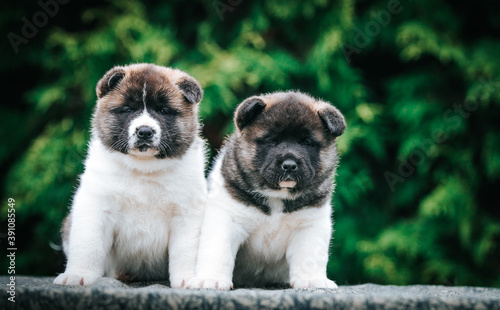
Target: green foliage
x,y
416,197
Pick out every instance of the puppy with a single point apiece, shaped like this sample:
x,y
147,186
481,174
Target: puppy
x,y
138,210
268,215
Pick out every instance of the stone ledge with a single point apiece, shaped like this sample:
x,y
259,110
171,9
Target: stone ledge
x,y
40,293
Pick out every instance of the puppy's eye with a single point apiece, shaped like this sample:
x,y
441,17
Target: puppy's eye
x,y
127,110
168,111
165,111
307,142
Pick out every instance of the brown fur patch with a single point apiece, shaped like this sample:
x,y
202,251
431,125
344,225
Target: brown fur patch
x,y
174,85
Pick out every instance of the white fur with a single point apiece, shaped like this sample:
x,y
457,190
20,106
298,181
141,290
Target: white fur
x,y
281,247
136,214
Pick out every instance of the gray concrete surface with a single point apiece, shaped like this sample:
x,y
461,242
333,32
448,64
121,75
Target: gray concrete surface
x,y
40,293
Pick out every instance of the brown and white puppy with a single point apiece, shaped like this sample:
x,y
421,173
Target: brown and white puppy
x,y
137,212
268,215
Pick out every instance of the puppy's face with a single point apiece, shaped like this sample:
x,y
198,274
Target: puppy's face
x,y
289,139
147,110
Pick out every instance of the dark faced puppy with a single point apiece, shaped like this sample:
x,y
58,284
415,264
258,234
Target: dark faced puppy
x,y
284,148
268,216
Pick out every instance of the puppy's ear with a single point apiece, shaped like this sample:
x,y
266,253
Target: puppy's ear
x,y
191,89
247,111
109,81
333,120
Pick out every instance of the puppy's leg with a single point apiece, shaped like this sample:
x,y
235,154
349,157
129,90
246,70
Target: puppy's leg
x,y
219,242
183,249
90,239
307,256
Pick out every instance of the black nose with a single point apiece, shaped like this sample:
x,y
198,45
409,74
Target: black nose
x,y
289,165
144,132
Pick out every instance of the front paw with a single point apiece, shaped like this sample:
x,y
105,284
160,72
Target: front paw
x,y
178,283
77,279
211,283
313,283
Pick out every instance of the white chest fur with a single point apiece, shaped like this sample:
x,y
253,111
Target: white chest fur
x,y
136,219
262,258
141,233
275,248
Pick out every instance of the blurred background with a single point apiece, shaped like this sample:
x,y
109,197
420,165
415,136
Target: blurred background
x,y
418,81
